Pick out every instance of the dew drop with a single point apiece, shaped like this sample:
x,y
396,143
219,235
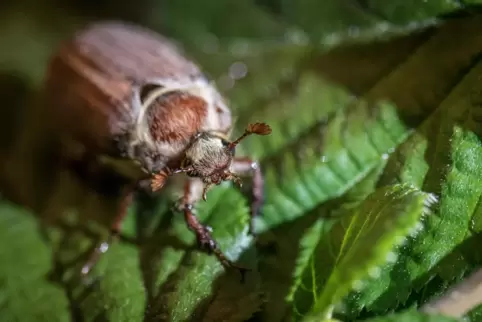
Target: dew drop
x,y
238,70
85,270
103,247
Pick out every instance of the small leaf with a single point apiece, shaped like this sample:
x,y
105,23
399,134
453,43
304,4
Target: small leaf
x,y
324,244
378,225
307,244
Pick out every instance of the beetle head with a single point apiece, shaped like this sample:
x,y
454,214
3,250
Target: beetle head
x,y
209,157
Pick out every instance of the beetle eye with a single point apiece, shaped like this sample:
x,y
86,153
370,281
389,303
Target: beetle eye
x,y
226,144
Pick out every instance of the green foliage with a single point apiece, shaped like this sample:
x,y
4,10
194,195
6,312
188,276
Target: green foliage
x,y
412,316
372,171
23,271
383,220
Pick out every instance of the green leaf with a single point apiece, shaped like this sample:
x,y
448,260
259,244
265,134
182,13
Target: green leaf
x,y
403,11
196,278
456,185
325,244
26,263
378,225
474,315
343,163
305,261
413,316
119,294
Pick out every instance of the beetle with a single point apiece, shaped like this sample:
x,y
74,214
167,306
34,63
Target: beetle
x,y
139,107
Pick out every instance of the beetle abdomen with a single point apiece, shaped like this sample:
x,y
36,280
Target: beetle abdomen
x,y
91,76
140,54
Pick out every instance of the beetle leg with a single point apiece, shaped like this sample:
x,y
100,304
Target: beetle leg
x,y
246,166
193,191
94,256
158,180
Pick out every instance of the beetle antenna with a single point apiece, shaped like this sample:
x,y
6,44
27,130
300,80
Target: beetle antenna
x,y
253,128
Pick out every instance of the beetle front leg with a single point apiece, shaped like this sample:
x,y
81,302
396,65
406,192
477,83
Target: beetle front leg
x,y
246,166
193,190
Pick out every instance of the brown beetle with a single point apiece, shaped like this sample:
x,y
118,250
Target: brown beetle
x,y
136,105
